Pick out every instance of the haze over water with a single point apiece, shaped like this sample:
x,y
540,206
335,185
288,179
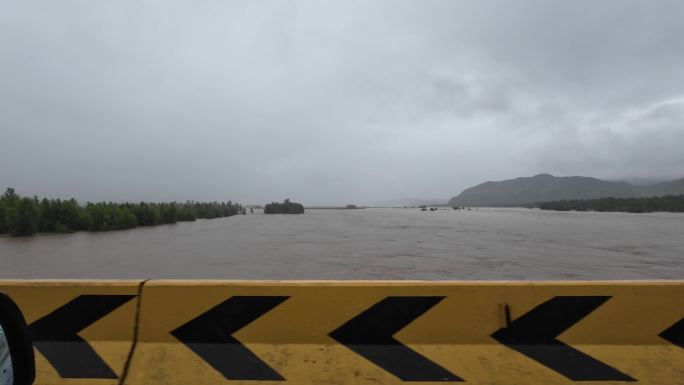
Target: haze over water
x,y
492,244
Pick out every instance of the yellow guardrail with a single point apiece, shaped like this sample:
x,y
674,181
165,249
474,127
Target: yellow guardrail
x,y
82,331
354,332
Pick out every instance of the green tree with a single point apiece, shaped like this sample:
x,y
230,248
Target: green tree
x,y
23,218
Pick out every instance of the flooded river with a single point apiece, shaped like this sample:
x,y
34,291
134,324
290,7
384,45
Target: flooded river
x,y
368,244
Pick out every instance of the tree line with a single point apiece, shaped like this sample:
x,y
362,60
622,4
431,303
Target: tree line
x,y
27,216
669,203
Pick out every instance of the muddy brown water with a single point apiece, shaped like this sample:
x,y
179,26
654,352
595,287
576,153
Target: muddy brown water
x,y
483,244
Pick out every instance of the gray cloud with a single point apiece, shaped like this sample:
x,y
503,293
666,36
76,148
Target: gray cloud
x,y
333,102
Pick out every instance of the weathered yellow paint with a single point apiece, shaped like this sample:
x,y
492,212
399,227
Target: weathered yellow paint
x,y
111,337
293,337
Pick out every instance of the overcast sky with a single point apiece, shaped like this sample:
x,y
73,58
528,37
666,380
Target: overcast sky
x,y
334,102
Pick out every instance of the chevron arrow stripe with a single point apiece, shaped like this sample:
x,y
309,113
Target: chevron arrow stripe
x,y
210,337
534,335
55,336
370,334
675,334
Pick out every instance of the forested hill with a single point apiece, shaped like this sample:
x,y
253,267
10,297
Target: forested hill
x,y
545,187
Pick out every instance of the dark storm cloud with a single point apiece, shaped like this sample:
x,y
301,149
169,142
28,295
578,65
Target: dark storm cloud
x,y
333,102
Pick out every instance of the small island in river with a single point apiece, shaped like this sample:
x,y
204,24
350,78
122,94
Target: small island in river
x,y
286,207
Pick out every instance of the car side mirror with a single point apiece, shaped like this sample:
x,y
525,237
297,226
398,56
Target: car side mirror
x,y
17,365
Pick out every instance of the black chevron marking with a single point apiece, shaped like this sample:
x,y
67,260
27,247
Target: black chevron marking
x,y
534,335
210,337
675,334
370,334
55,336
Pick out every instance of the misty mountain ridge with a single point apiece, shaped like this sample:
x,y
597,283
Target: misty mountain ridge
x,y
546,187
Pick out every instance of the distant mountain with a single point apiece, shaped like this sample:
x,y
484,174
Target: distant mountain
x,y
410,202
545,187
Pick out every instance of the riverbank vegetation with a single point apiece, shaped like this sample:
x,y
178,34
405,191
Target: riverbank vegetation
x,y
26,216
669,203
286,207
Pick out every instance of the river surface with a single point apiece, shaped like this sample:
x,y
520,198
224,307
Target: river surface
x,y
506,244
